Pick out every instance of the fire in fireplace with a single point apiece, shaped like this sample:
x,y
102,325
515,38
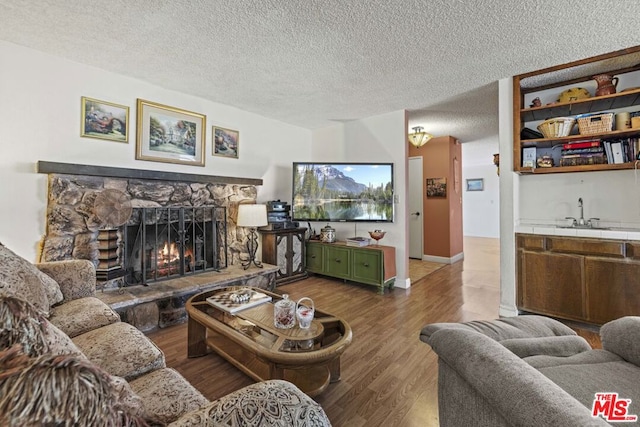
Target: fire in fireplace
x,y
166,242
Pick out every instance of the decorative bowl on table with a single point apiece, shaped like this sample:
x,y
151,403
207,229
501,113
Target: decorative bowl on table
x,y
377,235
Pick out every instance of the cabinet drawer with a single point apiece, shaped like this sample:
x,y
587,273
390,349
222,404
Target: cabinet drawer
x,y
336,262
314,258
530,242
604,248
367,266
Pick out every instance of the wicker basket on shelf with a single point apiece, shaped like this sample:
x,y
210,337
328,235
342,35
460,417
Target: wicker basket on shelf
x,y
557,127
595,123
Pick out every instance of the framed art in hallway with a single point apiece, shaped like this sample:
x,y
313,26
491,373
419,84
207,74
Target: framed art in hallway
x,y
475,184
104,120
169,134
437,187
225,142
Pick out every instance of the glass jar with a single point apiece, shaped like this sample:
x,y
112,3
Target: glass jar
x,y
284,313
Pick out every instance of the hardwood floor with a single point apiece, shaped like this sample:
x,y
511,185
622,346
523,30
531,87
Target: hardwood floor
x,y
389,376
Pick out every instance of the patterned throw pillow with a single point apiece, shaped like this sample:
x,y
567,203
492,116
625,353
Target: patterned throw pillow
x,y
21,278
21,323
31,390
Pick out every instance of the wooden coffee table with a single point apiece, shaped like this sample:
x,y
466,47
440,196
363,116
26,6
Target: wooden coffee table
x,y
248,339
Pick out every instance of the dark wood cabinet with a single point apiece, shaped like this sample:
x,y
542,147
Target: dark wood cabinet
x,y
575,278
286,249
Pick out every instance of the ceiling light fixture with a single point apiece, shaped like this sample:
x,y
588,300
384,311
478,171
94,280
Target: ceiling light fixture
x,y
418,138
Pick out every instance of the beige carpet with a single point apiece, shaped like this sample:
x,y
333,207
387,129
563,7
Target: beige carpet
x,y
420,269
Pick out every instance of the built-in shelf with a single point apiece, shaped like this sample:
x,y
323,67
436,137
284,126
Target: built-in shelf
x,y
582,106
111,172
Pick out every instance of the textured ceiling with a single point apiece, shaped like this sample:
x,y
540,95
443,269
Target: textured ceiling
x,y
312,62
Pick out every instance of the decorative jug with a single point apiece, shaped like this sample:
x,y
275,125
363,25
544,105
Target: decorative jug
x,y
327,234
284,313
304,312
606,84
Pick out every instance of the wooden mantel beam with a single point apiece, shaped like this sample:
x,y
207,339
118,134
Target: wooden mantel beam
x,y
106,171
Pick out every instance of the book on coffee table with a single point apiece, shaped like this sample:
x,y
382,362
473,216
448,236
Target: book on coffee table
x,y
235,301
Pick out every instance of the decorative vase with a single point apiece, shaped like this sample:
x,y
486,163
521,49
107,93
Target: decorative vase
x,y
327,234
284,313
606,84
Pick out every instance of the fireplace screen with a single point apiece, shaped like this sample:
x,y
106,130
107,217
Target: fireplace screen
x,y
164,243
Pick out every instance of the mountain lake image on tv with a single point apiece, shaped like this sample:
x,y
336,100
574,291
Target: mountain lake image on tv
x,y
342,192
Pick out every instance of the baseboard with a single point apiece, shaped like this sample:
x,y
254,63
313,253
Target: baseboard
x,y
444,260
405,285
508,311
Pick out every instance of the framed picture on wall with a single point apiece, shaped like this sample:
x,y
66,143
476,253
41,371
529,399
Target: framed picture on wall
x,y
437,187
169,134
225,142
475,184
104,120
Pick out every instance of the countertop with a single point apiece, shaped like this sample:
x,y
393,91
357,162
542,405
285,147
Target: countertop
x,y
551,230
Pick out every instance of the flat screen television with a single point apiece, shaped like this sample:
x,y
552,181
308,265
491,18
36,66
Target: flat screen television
x,y
345,192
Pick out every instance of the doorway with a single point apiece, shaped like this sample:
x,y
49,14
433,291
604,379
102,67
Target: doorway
x,y
416,217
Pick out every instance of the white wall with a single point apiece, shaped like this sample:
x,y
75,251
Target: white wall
x,y
40,109
509,195
612,196
379,138
481,209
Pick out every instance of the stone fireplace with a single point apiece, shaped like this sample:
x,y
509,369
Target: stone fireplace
x,y
196,213
203,206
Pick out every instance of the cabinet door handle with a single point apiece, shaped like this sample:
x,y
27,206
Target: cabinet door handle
x,y
313,256
366,264
338,260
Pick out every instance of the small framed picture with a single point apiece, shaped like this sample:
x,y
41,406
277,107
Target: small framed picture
x,y
169,134
225,142
529,157
475,184
104,120
437,187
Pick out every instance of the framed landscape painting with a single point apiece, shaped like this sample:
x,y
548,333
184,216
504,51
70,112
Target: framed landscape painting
x,y
225,142
104,120
476,184
171,135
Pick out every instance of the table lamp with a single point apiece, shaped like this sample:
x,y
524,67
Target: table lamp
x,y
252,216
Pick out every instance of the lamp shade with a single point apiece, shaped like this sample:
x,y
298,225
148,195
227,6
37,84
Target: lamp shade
x,y
418,138
252,215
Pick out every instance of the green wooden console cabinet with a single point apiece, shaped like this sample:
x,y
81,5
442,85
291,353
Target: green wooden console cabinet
x,y
371,265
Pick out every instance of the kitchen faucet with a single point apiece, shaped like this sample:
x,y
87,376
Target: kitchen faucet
x,y
580,222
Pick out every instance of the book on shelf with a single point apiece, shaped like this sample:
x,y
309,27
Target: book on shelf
x,y
617,152
621,150
583,150
581,144
232,302
583,159
357,241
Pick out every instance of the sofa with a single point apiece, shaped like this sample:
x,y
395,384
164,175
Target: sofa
x,y
67,359
532,370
